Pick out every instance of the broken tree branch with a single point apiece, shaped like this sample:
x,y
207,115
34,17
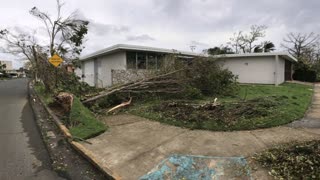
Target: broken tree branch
x,y
142,84
120,105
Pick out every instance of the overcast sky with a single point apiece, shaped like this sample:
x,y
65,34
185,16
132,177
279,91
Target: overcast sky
x,y
172,24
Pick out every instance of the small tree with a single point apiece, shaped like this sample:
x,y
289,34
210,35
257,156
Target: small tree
x,y
248,42
65,37
220,50
301,45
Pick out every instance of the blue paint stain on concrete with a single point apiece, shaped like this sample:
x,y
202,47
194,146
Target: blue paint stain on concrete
x,y
200,168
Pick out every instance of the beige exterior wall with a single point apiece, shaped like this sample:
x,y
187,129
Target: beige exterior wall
x,y
281,71
98,70
88,72
116,61
257,70
8,64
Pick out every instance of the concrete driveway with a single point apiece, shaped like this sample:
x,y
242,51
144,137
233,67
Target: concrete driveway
x,y
133,146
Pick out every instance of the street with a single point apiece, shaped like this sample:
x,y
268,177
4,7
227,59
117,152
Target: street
x,y
22,152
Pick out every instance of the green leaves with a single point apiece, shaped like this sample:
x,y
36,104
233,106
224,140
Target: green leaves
x,y
293,161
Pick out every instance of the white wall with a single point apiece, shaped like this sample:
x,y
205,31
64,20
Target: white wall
x,y
104,65
88,71
260,70
281,70
115,61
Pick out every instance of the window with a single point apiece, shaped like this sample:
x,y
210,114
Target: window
x,y
131,60
160,60
142,61
152,61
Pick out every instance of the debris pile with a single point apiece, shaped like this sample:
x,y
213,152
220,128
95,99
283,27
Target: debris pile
x,y
227,113
293,161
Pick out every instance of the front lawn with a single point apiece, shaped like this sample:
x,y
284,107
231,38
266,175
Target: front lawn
x,y
254,106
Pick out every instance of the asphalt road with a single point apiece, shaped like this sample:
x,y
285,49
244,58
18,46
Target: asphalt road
x,y
22,151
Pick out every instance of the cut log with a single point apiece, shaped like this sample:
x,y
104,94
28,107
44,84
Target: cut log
x,y
120,105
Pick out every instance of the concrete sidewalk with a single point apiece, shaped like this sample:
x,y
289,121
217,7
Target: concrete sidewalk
x,y
134,146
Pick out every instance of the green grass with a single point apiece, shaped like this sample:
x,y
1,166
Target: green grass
x,y
86,125
291,101
40,90
82,123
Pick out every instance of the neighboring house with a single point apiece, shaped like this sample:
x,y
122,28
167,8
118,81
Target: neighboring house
x,y
8,64
122,63
259,68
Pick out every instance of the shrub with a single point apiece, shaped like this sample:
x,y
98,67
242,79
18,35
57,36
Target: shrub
x,y
205,75
192,93
304,73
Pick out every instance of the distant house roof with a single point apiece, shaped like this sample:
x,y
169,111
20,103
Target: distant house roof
x,y
284,55
126,47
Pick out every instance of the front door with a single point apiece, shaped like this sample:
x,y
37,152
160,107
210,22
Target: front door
x,y
288,71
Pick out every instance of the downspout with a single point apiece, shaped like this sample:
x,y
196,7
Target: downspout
x,y
276,73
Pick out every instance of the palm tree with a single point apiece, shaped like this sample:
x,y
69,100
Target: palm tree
x,y
266,46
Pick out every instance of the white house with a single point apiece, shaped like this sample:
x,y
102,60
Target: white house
x,y
114,64
259,68
8,64
121,63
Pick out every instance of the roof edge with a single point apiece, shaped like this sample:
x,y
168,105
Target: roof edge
x,y
118,47
285,54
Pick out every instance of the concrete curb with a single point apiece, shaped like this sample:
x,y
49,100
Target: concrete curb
x,y
87,154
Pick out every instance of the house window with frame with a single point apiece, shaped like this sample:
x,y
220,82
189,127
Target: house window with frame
x,y
141,61
152,61
131,60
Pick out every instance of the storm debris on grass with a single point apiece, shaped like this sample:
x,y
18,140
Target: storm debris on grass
x,y
225,115
293,161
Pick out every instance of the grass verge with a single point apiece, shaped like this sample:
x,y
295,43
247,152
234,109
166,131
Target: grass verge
x,y
293,161
84,124
254,106
80,121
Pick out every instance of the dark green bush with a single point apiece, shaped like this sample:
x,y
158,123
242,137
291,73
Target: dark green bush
x,y
205,75
304,73
192,93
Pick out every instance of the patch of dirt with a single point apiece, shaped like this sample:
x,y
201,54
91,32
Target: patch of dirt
x,y
228,114
65,160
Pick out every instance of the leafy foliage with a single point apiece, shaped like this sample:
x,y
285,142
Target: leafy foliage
x,y
293,161
220,50
304,72
205,75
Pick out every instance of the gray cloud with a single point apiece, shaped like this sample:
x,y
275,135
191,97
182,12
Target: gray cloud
x,y
143,37
101,29
197,43
176,24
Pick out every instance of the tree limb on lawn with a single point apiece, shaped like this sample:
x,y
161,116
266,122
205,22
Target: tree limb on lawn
x,y
155,84
120,105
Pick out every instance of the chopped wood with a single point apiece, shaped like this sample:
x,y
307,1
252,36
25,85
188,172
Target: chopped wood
x,y
120,105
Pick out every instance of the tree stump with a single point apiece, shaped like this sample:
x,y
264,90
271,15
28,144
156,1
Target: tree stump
x,y
65,100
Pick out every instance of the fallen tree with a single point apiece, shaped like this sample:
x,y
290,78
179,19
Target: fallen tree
x,y
164,83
